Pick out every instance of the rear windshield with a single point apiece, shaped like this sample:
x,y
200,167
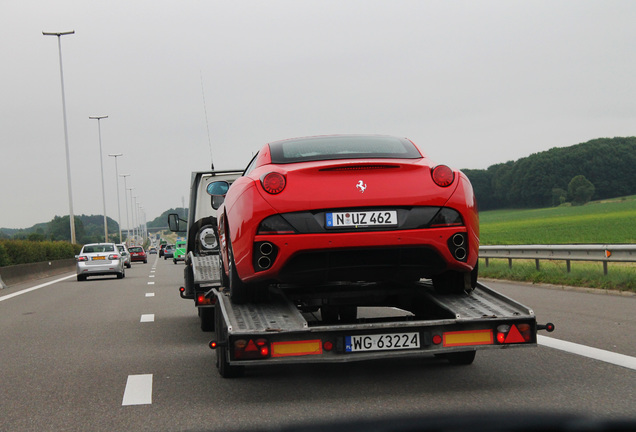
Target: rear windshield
x,y
135,249
342,147
98,248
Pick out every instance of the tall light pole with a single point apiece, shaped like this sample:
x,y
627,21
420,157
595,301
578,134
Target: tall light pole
x,y
101,163
133,216
132,219
116,155
126,200
71,216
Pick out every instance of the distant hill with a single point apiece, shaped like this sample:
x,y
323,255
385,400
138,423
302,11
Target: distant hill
x,y
162,220
88,229
542,179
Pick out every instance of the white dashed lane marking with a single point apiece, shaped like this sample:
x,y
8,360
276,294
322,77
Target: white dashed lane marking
x,y
147,318
138,390
150,294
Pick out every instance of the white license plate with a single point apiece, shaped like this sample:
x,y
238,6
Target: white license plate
x,y
382,342
361,218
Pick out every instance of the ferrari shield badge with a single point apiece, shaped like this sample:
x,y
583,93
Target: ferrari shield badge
x,y
361,186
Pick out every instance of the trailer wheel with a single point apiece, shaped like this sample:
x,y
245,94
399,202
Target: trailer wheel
x,y
225,369
463,358
207,319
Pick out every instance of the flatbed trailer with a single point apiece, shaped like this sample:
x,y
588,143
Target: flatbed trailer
x,y
346,322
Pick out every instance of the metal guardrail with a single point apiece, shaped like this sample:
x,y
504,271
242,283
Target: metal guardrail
x,y
590,252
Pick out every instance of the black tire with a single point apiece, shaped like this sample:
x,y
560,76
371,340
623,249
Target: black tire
x,y
120,275
145,261
239,291
474,275
463,358
207,319
81,278
225,369
129,265
175,261
452,282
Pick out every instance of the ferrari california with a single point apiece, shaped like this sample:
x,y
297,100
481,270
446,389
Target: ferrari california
x,y
313,210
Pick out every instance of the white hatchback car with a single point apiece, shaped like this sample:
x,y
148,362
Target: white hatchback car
x,y
98,259
123,249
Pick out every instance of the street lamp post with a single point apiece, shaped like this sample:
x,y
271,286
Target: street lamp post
x,y
71,216
101,162
126,201
132,216
116,155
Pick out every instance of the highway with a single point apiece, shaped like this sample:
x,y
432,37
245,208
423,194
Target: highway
x,y
109,354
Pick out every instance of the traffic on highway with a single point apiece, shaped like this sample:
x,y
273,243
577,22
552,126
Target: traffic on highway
x,y
110,354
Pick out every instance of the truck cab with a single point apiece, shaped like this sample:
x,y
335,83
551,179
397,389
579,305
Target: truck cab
x,y
207,191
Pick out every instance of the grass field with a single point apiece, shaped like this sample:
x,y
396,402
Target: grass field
x,y
604,222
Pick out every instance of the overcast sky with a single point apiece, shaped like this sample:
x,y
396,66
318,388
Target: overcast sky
x,y
473,83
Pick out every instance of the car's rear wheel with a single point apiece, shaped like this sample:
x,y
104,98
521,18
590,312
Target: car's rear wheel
x,y
120,275
81,278
239,291
452,282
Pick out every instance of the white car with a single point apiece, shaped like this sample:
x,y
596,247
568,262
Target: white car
x,y
125,253
98,259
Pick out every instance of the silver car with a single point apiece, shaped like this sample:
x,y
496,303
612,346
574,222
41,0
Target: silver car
x,y
125,253
97,259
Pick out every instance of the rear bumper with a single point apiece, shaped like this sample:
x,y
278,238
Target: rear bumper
x,y
407,255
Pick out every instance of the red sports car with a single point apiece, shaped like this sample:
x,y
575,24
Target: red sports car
x,y
347,208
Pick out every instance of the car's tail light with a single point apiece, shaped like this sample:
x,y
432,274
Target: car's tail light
x,y
273,183
82,258
275,224
443,176
446,217
113,257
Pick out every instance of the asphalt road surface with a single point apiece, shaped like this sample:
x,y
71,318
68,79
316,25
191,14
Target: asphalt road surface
x,y
109,354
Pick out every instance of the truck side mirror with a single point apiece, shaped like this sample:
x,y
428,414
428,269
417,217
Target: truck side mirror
x,y
175,223
217,190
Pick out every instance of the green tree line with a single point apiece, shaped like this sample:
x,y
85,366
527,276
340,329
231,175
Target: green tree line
x,y
88,229
601,168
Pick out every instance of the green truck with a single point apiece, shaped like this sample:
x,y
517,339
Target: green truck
x,y
179,250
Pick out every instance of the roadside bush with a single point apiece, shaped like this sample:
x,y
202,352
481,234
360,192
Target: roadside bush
x,y
13,252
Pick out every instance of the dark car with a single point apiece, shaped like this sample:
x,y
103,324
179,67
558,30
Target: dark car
x,y
137,253
161,249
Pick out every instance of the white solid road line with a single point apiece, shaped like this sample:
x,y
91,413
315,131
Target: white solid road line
x,y
138,390
15,294
589,352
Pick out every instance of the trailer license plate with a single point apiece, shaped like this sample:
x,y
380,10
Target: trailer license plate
x,y
361,218
382,342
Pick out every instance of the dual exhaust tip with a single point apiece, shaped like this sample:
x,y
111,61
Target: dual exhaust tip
x,y
266,254
458,248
